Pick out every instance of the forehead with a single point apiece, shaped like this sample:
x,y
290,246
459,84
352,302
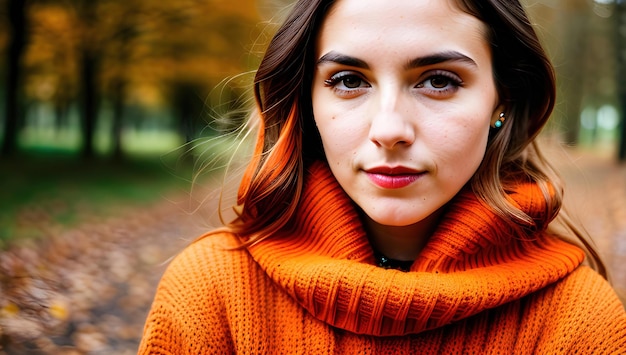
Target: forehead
x,y
402,25
406,8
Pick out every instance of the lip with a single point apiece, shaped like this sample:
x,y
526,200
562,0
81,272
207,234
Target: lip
x,y
393,177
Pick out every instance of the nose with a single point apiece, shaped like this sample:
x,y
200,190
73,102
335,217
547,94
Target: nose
x,y
392,124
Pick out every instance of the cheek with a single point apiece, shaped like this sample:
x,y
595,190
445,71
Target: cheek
x,y
340,133
339,141
464,145
469,157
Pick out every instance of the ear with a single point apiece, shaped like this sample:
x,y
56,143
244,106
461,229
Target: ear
x,y
496,115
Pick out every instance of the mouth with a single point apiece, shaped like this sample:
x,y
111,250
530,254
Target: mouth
x,y
393,177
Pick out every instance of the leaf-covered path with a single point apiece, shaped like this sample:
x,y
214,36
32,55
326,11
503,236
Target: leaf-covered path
x,y
88,290
595,193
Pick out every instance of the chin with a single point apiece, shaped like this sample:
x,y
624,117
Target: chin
x,y
395,220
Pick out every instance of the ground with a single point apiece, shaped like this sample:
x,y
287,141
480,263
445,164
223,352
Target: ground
x,y
595,195
88,290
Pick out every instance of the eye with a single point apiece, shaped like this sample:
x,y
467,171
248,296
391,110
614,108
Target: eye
x,y
440,83
351,82
346,82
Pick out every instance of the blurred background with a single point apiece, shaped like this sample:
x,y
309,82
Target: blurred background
x,y
109,108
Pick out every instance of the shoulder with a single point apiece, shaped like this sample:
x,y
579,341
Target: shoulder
x,y
586,288
189,311
583,313
214,246
211,259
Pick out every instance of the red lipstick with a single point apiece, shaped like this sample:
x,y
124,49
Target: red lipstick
x,y
393,178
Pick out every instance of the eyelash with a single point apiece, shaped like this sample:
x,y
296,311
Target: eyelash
x,y
453,82
334,81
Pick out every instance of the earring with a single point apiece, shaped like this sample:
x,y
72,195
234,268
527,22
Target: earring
x,y
500,121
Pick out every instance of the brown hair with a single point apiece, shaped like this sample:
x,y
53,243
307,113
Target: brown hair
x,y
526,84
288,138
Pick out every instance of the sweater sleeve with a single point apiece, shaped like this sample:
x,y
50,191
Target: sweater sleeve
x,y
586,316
188,314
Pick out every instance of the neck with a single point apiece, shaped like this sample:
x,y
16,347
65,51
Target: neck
x,y
400,242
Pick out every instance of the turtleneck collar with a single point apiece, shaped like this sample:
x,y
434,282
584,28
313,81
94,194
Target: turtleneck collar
x,y
470,263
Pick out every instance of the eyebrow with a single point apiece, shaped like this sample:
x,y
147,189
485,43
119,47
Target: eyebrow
x,y
441,57
431,59
335,57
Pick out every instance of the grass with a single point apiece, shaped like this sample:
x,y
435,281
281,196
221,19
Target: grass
x,y
48,186
44,190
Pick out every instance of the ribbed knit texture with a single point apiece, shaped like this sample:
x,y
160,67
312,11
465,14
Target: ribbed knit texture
x,y
314,289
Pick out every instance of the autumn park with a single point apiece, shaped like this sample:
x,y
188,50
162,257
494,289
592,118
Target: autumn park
x,y
113,122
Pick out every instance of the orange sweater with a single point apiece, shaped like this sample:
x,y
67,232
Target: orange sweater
x,y
314,289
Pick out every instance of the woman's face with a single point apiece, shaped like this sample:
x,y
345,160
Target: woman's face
x,y
403,97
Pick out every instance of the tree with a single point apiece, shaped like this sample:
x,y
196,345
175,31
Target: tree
x,y
193,46
120,50
19,31
89,64
135,53
574,31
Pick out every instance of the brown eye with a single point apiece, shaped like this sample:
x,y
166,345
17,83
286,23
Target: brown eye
x,y
352,82
347,84
439,82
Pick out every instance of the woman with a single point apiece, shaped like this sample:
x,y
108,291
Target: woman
x,y
396,202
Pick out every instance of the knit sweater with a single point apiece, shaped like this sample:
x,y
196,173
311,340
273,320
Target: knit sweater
x,y
314,288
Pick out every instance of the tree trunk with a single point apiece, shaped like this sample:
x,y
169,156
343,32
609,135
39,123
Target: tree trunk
x,y
89,66
89,102
17,43
125,36
188,107
576,28
118,117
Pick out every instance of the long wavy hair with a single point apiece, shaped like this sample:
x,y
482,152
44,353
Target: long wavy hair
x,y
288,139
